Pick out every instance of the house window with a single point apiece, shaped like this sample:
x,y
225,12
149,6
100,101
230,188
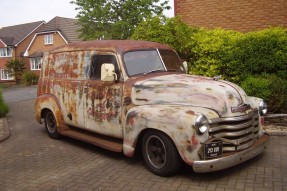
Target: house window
x,y
6,52
36,63
5,75
49,39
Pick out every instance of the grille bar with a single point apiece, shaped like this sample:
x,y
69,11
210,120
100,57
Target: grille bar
x,y
242,130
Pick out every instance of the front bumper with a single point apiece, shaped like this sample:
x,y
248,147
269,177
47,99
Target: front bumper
x,y
231,160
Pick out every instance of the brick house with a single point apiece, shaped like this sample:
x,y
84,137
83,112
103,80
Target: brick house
x,y
243,15
58,31
14,40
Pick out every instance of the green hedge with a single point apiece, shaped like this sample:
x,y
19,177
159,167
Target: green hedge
x,y
3,107
271,88
257,60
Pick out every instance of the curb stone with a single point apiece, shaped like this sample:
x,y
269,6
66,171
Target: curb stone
x,y
275,130
4,130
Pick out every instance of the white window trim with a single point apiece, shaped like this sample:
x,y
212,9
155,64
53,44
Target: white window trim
x,y
7,77
48,39
7,56
33,64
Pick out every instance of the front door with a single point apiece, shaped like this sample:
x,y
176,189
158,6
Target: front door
x,y
102,103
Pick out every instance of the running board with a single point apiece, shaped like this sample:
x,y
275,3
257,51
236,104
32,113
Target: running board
x,y
105,142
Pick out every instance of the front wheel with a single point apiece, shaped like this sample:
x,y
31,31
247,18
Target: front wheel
x,y
51,125
160,154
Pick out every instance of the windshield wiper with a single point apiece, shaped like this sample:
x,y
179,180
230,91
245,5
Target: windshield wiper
x,y
151,71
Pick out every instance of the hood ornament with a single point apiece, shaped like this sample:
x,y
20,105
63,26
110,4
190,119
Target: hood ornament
x,y
216,78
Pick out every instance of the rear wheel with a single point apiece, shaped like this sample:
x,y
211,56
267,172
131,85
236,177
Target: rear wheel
x,y
51,125
160,154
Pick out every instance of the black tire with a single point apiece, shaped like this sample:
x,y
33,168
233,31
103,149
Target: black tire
x,y
160,154
51,125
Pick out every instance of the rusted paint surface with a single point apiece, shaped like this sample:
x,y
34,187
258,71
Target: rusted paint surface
x,y
189,90
168,102
175,121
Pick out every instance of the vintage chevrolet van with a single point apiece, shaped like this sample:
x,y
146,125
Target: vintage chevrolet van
x,y
129,96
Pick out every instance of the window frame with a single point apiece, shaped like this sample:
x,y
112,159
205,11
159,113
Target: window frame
x,y
33,63
94,64
4,72
8,52
48,39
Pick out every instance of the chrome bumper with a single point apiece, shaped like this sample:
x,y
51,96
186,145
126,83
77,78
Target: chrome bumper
x,y
231,160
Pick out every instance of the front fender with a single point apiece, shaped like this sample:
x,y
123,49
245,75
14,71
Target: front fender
x,y
49,102
175,121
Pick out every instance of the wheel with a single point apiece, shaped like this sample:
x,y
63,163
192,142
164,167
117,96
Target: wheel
x,y
51,125
160,154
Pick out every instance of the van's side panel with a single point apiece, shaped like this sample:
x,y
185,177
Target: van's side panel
x,y
85,103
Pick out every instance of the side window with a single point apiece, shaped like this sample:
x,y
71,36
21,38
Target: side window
x,y
96,63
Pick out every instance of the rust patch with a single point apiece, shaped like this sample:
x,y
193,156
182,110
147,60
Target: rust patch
x,y
190,112
130,117
194,141
139,99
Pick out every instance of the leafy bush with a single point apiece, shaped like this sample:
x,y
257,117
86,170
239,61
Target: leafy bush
x,y
210,50
258,53
171,31
16,67
234,55
271,88
3,107
29,78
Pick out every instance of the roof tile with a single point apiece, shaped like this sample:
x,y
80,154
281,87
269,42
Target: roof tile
x,y
69,28
12,35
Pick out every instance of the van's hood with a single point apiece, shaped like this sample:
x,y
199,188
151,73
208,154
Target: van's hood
x,y
197,91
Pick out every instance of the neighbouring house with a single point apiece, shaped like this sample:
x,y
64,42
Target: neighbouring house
x,y
58,31
243,15
14,41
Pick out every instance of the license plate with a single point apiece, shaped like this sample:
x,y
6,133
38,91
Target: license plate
x,y
213,150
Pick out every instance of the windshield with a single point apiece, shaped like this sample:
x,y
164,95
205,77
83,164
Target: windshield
x,y
147,61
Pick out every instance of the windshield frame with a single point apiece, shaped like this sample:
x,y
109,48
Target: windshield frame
x,y
164,69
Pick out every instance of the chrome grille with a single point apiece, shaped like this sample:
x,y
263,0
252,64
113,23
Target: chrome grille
x,y
236,133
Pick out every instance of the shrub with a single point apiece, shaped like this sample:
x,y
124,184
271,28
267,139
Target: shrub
x,y
257,53
16,67
234,55
29,78
3,107
271,88
210,50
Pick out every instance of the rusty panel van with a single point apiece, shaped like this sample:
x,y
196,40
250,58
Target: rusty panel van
x,y
129,96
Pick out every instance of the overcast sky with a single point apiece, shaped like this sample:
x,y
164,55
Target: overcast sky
x,y
14,12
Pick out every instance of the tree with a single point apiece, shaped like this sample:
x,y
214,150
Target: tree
x,y
114,19
16,67
171,31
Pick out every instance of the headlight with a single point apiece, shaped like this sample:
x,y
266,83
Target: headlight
x,y
263,108
201,124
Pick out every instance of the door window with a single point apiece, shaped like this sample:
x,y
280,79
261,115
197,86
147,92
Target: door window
x,y
96,64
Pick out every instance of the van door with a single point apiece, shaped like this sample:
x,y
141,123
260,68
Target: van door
x,y
103,99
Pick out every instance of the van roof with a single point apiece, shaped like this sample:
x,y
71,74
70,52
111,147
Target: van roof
x,y
119,46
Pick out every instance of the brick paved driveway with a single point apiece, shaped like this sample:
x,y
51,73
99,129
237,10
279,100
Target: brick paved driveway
x,y
30,160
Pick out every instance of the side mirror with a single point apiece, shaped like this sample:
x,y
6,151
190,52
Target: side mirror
x,y
185,66
108,72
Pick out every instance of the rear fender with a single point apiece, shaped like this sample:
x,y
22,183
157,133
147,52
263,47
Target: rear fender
x,y
49,102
